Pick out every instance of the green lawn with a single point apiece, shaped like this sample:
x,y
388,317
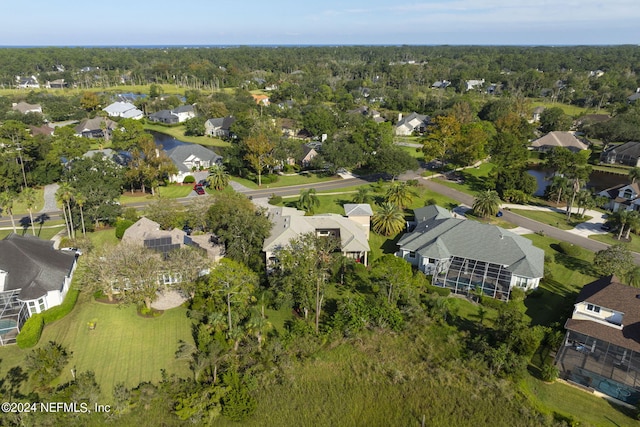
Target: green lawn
x,y
123,347
284,181
103,237
555,219
571,110
178,133
19,208
473,179
413,152
569,401
46,232
171,191
610,239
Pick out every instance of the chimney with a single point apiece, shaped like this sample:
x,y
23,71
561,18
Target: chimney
x,y
400,115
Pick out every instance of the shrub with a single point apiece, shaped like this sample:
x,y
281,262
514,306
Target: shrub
x,y
269,179
59,311
569,249
443,292
491,302
189,179
413,183
431,202
121,227
548,372
31,331
275,200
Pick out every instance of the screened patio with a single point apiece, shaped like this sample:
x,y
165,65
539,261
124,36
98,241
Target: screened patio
x,y
600,365
13,314
468,276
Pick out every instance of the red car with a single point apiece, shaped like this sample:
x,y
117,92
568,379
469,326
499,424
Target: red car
x,y
199,189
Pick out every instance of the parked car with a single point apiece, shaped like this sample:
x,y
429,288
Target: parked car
x,y
75,250
199,189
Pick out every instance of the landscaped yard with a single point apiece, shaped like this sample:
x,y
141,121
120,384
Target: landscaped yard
x,y
472,180
45,232
555,219
123,347
610,239
284,181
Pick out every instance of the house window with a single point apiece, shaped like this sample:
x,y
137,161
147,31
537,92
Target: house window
x,y
32,307
627,194
412,254
41,305
594,308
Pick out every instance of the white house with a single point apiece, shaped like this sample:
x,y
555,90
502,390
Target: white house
x,y
623,196
189,158
414,122
33,278
125,110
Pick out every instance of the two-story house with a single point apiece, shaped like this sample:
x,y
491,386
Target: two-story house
x,y
623,196
219,127
624,154
414,122
290,223
176,115
601,349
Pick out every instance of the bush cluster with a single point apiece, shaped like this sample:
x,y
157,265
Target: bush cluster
x,y
31,331
443,292
569,249
269,179
121,227
59,311
189,179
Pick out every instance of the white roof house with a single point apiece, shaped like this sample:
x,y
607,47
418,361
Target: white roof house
x,y
123,109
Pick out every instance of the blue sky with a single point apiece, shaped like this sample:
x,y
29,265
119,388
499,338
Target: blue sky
x,y
249,22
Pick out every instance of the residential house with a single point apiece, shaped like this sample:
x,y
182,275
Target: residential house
x,y
147,233
624,154
308,154
45,130
126,110
468,256
30,82
191,157
33,278
623,196
25,107
441,84
98,127
290,223
559,139
177,115
360,213
121,158
474,84
289,128
56,84
261,99
219,127
537,112
365,111
601,349
633,98
414,122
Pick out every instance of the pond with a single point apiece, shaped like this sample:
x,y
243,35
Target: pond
x,y
598,180
167,142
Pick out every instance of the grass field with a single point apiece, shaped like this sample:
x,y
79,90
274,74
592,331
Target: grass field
x,y
555,219
473,179
46,232
610,239
571,110
171,191
123,347
178,133
284,181
19,208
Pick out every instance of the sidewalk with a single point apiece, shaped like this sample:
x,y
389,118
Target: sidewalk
x,y
585,229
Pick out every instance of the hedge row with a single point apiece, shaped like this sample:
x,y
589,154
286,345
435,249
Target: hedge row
x,y
443,292
32,329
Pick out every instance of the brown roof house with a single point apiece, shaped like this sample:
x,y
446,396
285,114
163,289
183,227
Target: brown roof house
x,y
147,233
25,107
559,139
601,349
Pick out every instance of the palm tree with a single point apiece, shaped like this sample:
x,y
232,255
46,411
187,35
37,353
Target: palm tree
x,y
362,196
60,202
619,220
308,200
218,177
28,196
633,277
6,203
65,195
558,187
80,201
634,174
633,223
258,326
487,203
389,220
399,194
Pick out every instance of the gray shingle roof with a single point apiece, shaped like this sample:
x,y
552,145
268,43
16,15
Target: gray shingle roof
x,y
438,235
357,209
560,139
181,153
33,265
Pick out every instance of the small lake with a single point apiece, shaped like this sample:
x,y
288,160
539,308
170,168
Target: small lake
x,y
166,141
598,180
